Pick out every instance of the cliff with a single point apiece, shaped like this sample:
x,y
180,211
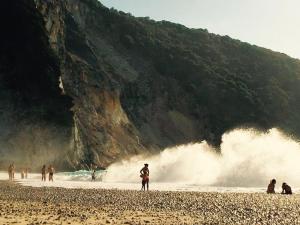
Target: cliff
x,y
130,85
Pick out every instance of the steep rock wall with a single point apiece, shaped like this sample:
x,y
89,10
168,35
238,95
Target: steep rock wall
x,y
35,119
138,86
102,131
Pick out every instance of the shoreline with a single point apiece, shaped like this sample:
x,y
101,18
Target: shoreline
x,y
50,205
84,181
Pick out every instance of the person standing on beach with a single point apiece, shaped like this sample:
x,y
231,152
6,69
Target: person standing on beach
x,y
94,175
26,172
44,173
51,172
10,172
13,171
271,187
145,176
22,174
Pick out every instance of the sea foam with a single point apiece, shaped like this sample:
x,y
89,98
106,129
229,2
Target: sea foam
x,y
248,158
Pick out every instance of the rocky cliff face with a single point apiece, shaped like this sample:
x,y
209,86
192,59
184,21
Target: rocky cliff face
x,y
35,119
135,86
102,130
120,99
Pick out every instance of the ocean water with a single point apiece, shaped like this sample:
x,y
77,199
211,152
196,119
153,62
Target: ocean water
x,y
249,159
82,179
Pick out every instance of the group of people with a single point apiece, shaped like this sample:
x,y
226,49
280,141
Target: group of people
x,y
11,172
24,172
50,170
286,189
144,174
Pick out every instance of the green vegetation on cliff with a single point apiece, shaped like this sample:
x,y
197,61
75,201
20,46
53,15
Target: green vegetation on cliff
x,y
136,85
222,81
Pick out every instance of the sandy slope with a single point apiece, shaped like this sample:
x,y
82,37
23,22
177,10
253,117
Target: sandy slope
x,y
27,205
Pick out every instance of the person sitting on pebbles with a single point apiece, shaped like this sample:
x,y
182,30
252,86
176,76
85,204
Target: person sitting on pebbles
x,y
286,189
145,176
271,187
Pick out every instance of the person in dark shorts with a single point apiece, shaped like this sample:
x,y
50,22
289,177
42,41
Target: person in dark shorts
x,y
44,173
10,172
23,174
145,176
13,171
26,172
286,189
271,187
51,172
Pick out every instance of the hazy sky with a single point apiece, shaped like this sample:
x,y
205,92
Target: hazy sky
x,y
273,24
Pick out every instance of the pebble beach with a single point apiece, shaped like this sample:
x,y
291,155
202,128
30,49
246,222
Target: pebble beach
x,y
49,205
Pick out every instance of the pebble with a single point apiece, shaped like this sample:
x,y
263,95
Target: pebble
x,y
79,206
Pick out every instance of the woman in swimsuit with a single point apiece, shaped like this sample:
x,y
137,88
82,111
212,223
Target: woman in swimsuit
x,y
145,177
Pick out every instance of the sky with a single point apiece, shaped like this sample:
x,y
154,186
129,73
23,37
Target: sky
x,y
273,24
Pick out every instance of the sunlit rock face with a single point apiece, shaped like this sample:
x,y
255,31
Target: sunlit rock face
x,y
107,86
116,111
140,86
102,130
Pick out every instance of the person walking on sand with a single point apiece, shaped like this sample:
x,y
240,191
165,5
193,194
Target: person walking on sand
x,y
286,189
51,172
271,187
44,173
145,177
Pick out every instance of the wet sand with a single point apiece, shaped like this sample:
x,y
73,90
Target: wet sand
x,y
27,205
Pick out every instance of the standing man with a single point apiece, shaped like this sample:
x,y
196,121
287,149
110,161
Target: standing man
x,y
51,172
26,172
44,173
94,175
22,174
10,172
13,171
145,176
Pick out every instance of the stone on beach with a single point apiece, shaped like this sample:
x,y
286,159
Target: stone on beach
x,y
28,205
